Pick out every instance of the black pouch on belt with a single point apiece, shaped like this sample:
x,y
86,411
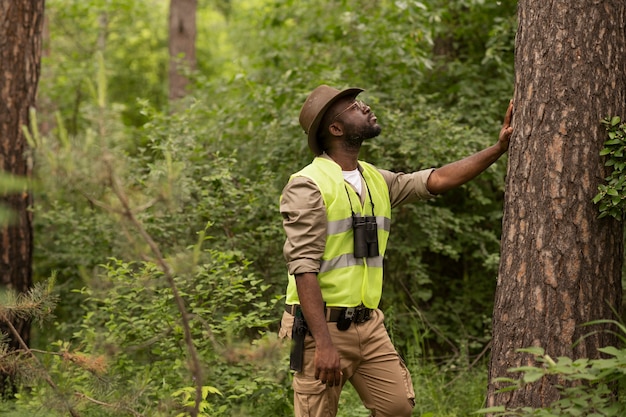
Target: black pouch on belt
x,y
298,333
345,319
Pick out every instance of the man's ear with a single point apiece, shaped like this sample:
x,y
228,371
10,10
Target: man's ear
x,y
335,129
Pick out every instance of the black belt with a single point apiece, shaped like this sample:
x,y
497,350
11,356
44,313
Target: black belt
x,y
359,314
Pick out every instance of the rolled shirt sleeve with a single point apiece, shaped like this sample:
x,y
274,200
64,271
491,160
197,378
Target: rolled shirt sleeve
x,y
304,221
407,188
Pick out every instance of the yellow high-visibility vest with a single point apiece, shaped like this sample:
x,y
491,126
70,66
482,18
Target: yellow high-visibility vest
x,y
347,281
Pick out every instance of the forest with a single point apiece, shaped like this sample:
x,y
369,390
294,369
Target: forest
x,y
157,258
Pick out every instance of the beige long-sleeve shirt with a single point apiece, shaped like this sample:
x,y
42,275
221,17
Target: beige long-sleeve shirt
x,y
304,215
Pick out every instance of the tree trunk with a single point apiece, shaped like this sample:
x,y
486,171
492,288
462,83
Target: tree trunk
x,y
21,23
182,45
560,264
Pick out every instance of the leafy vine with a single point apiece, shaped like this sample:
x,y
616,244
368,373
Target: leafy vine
x,y
612,195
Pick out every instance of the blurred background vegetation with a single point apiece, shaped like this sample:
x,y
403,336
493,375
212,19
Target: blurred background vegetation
x,y
204,178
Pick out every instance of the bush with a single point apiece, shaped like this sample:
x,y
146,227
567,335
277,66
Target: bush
x,y
586,387
131,348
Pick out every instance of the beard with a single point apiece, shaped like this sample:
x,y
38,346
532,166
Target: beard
x,y
356,136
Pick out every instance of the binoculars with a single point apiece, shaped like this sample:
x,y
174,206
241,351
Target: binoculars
x,y
365,236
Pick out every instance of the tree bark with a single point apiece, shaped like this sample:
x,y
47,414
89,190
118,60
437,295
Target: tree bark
x,y
182,45
560,265
21,25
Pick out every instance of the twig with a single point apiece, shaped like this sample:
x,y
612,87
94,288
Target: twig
x,y
425,320
196,369
480,355
46,376
102,403
46,352
100,204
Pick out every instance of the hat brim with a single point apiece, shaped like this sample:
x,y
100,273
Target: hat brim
x,y
312,136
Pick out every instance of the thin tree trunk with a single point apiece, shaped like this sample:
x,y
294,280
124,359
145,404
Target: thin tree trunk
x,y
182,45
21,23
560,264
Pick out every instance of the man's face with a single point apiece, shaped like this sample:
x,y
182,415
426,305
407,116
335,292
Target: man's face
x,y
358,120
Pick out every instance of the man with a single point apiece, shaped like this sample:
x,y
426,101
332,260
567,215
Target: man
x,y
336,215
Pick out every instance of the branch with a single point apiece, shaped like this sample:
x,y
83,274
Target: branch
x,y
433,328
102,403
46,377
127,212
480,355
36,304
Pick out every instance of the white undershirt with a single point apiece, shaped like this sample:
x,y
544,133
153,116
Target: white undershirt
x,y
354,178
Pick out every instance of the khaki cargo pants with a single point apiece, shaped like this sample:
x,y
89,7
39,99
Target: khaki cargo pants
x,y
368,360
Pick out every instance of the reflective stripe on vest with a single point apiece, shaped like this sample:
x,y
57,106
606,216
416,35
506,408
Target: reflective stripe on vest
x,y
345,280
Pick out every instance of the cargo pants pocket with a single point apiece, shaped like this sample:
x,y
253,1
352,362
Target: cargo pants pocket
x,y
408,382
286,324
314,399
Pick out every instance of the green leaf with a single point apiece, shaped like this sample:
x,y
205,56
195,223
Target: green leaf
x,y
534,350
533,375
612,351
613,142
496,409
206,390
597,198
615,120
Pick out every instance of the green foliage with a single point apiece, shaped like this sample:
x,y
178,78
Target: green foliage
x,y
587,387
188,399
132,350
133,38
204,183
131,318
612,195
36,304
10,184
449,390
442,256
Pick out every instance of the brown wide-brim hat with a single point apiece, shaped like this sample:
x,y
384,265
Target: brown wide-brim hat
x,y
315,107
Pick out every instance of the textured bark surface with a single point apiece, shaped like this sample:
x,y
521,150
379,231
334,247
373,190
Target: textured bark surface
x,y
182,45
560,265
21,24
